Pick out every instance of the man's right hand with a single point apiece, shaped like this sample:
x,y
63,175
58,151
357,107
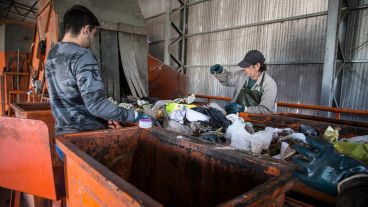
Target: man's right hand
x,y
216,69
141,115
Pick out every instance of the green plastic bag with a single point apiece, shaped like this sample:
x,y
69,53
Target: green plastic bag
x,y
356,151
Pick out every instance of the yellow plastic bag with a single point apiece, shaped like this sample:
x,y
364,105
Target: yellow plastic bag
x,y
353,150
170,107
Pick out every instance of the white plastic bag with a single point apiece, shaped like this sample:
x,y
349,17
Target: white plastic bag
x,y
194,116
357,139
241,139
237,133
233,118
178,116
261,140
295,136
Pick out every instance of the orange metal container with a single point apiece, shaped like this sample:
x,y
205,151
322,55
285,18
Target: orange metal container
x,y
134,167
347,129
36,111
25,157
164,81
42,112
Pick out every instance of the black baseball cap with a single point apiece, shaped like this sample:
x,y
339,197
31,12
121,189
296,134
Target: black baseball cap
x,y
251,58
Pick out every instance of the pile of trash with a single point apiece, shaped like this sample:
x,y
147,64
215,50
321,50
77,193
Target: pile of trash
x,y
211,123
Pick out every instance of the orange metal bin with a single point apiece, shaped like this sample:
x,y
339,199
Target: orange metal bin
x,y
42,112
26,161
134,167
347,129
36,111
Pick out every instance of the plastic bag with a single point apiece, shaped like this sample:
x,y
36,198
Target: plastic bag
x,y
194,116
357,139
177,127
218,107
261,140
178,115
233,118
237,134
353,150
241,139
295,136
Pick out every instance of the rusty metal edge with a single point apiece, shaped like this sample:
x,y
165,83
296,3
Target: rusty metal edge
x,y
324,119
285,183
284,180
16,107
208,149
102,174
230,155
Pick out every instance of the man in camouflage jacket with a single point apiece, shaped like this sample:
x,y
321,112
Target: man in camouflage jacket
x,y
75,86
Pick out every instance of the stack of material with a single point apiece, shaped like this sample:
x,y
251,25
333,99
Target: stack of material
x,y
212,123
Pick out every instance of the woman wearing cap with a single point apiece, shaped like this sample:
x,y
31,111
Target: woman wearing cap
x,y
255,90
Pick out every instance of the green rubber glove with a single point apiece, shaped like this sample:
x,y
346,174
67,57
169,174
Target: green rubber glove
x,y
323,168
234,108
143,116
216,69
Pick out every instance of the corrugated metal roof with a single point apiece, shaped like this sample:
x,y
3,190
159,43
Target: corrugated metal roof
x,y
21,10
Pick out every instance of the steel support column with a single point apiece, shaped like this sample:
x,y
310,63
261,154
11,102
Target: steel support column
x,y
341,53
167,32
331,47
181,30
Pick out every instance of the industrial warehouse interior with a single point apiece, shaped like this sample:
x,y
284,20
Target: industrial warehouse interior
x,y
183,103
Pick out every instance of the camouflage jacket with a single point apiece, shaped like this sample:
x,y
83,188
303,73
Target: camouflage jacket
x,y
76,91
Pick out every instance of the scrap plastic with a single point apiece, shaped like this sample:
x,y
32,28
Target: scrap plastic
x,y
194,116
331,135
357,151
243,140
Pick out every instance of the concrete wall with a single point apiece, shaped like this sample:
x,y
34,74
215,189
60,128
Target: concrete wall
x,y
18,37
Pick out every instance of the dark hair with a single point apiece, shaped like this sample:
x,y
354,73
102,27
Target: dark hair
x,y
77,17
263,67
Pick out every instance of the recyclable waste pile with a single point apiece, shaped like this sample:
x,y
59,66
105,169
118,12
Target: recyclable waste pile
x,y
211,123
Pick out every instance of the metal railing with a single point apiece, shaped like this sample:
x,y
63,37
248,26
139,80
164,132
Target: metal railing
x,y
337,111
